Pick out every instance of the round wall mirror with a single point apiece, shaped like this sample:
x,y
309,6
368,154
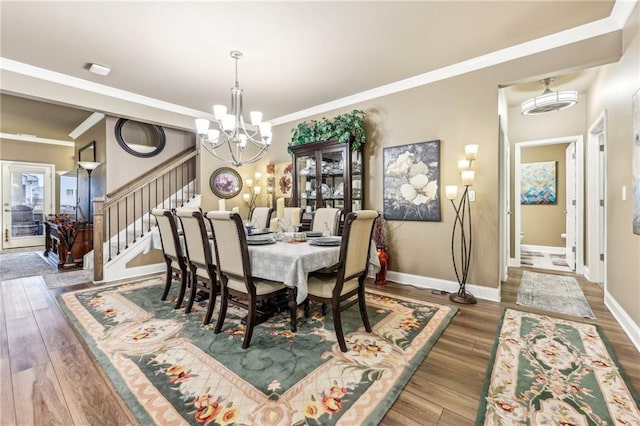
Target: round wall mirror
x,y
140,139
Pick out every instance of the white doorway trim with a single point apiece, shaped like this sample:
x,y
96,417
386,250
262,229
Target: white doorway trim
x,y
597,212
578,139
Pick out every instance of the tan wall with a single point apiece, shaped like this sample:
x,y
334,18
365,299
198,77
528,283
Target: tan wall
x,y
97,134
617,84
542,224
63,157
124,167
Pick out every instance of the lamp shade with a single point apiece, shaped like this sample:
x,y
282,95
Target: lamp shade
x,y
89,165
468,177
471,151
451,191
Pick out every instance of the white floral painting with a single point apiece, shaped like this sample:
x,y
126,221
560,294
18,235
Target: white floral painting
x,y
412,182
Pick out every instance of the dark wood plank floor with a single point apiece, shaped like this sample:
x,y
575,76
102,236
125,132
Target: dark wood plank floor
x,y
47,376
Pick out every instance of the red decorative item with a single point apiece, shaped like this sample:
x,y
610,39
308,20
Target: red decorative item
x,y
383,256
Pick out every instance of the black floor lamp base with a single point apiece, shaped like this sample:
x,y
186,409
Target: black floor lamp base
x,y
463,297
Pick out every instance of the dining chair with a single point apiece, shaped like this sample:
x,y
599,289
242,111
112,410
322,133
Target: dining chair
x,y
294,214
173,255
234,272
326,218
349,274
198,252
261,217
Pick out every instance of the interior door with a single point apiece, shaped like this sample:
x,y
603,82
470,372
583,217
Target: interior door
x,y
27,198
570,210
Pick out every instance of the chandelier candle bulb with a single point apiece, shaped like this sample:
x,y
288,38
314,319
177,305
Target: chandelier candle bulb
x,y
451,191
219,111
468,177
471,151
256,117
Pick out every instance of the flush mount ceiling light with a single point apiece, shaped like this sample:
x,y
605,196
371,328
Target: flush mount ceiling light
x,y
549,100
99,69
233,137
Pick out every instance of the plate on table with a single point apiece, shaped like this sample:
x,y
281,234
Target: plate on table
x,y
313,234
260,240
260,231
326,241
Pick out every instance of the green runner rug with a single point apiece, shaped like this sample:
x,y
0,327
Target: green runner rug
x,y
549,371
170,369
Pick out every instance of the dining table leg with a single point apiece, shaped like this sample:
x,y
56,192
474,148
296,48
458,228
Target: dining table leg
x,y
293,307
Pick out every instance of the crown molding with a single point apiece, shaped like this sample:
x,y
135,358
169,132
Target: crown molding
x,y
35,139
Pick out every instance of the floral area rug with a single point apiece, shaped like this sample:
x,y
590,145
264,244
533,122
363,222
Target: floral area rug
x,y
558,293
170,369
549,371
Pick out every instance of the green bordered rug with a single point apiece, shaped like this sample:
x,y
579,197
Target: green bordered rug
x,y
170,369
550,371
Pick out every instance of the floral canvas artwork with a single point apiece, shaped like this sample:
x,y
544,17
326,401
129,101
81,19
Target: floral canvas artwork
x,y
538,183
635,113
284,182
412,182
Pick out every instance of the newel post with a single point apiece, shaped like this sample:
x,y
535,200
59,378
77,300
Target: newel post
x,y
98,236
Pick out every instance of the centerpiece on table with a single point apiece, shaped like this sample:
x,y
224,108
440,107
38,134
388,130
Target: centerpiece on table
x,y
67,229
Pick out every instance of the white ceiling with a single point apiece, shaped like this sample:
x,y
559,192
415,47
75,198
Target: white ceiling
x,y
298,55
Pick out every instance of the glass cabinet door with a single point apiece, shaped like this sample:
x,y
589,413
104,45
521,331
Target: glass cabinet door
x,y
306,182
356,181
332,179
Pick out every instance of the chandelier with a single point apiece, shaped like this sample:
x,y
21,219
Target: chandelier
x,y
549,100
233,138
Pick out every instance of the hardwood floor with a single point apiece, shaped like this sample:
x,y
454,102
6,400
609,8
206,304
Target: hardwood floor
x,y
48,377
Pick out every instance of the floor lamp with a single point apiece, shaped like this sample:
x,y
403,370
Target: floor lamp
x,y
462,233
89,166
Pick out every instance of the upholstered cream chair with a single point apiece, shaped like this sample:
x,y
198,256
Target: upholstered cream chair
x,y
198,251
261,217
326,217
234,271
175,259
350,272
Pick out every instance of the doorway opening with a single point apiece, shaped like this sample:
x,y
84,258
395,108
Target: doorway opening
x,y
27,198
573,178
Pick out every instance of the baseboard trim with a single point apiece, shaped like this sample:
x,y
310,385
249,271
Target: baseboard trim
x,y
480,292
545,249
628,325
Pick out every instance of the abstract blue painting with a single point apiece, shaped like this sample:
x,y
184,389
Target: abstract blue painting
x,y
538,183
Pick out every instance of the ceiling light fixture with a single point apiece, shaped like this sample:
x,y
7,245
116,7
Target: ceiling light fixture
x,y
549,100
99,69
229,141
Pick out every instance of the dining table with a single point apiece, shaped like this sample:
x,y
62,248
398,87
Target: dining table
x,y
289,261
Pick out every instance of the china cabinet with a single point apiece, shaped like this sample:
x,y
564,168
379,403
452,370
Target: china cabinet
x,y
327,174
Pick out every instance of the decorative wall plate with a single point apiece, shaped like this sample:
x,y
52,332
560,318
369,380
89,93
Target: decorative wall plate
x,y
225,182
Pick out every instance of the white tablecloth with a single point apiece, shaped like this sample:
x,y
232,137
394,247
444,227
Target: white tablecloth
x,y
290,262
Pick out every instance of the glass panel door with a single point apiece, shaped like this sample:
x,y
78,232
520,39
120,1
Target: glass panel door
x,y
332,187
356,181
26,200
306,166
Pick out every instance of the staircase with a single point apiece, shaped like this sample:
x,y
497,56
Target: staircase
x,y
123,223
